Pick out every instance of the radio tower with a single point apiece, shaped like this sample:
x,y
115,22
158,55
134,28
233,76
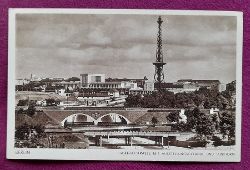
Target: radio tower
x,y
159,75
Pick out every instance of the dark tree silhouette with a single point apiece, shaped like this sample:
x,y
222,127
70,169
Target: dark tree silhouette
x,y
50,102
20,111
227,124
215,119
200,122
73,79
154,121
173,117
181,126
39,129
22,132
31,110
205,126
133,101
23,102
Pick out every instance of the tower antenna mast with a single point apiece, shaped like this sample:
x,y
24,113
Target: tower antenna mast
x,y
159,74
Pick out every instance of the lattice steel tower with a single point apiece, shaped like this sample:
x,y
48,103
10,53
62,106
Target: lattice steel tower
x,y
159,74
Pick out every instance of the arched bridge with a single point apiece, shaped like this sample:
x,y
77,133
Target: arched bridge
x,y
141,116
108,118
95,116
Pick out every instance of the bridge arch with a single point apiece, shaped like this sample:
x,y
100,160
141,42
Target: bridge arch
x,y
78,117
113,118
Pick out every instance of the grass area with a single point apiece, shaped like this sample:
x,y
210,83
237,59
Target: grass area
x,y
39,118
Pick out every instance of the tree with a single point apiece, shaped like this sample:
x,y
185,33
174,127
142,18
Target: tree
x,y
150,101
20,111
50,102
231,87
133,101
39,129
200,122
205,126
202,98
173,117
223,102
22,132
192,116
73,79
215,119
154,121
31,110
181,100
181,126
227,125
23,102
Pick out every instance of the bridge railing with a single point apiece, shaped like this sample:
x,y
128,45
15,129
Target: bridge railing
x,y
121,108
133,133
94,108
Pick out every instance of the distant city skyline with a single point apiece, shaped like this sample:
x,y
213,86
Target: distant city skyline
x,y
124,46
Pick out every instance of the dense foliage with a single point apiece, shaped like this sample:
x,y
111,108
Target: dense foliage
x,y
203,98
52,102
23,102
227,124
73,79
154,121
30,111
173,116
24,131
197,121
205,125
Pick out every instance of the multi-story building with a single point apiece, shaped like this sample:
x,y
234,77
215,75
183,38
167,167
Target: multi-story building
x,y
148,86
22,82
97,83
139,82
92,80
175,88
209,84
178,87
70,86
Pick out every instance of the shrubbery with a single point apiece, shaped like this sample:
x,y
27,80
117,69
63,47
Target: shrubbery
x,y
23,102
204,98
24,131
29,136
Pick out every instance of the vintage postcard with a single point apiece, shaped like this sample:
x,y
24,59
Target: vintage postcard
x,y
129,85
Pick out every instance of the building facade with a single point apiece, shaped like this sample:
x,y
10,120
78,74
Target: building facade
x,y
87,80
209,84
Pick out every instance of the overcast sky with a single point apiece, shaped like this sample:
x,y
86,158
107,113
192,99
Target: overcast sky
x,y
63,45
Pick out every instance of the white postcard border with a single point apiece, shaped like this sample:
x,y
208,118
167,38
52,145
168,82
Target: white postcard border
x,y
121,154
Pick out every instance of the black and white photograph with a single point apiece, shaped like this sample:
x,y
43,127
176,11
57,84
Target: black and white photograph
x,y
153,85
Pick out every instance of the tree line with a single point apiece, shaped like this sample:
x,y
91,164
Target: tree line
x,y
205,125
202,98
